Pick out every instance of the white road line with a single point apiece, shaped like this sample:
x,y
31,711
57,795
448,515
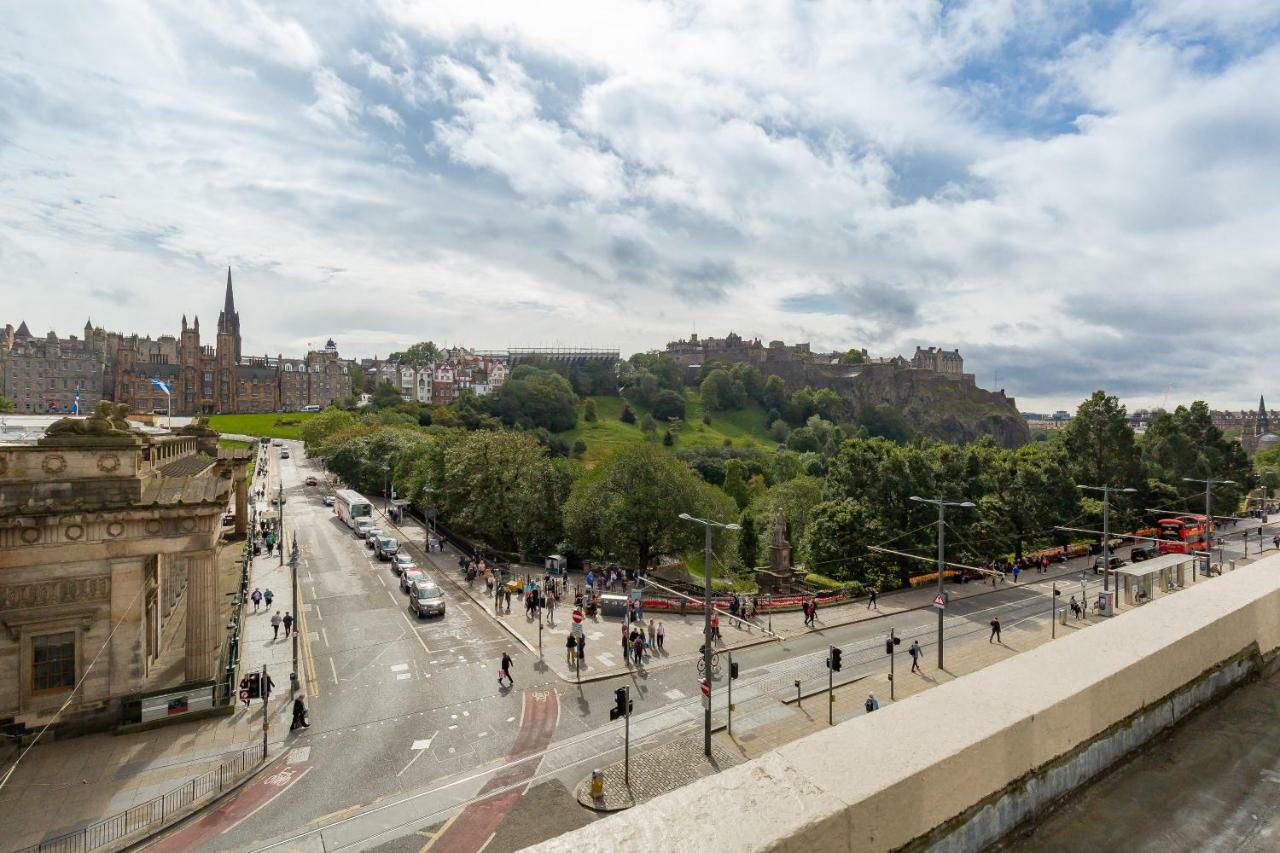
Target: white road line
x,y
325,636
334,668
316,609
413,630
399,667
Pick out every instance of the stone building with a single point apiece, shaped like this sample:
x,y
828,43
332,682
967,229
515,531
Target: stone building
x,y
108,540
947,362
43,375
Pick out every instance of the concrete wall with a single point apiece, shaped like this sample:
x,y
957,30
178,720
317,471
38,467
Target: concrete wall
x,y
942,757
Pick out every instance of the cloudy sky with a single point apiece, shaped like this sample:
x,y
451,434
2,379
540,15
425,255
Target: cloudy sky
x,y
1076,194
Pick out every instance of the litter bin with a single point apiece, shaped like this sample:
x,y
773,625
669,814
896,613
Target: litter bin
x,y
597,784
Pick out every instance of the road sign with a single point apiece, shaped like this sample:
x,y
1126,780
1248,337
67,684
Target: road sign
x,y
706,687
577,617
576,630
939,602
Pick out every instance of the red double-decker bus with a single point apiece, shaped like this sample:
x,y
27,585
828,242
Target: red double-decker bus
x,y
1183,534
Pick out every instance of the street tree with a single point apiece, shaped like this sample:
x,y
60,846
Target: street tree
x,y
735,482
330,421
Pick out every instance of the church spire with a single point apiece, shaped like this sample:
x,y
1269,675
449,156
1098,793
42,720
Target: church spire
x,y
1263,426
230,307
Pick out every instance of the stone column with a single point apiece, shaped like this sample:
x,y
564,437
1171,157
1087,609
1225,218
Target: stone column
x,y
239,471
204,632
128,608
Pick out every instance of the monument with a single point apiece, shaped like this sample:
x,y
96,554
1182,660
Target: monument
x,y
780,577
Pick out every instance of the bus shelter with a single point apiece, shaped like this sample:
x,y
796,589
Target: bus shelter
x,y
1158,576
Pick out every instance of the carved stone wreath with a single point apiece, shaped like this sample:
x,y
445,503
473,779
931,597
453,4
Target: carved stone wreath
x,y
108,462
30,535
152,527
114,529
74,532
54,463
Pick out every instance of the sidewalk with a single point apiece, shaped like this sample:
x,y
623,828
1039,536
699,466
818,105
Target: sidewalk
x,y
93,777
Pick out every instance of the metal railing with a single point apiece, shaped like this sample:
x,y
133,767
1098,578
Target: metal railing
x,y
155,813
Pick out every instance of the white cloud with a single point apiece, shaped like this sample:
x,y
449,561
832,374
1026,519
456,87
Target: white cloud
x,y
336,102
387,115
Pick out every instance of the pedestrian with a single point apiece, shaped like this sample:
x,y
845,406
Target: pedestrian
x,y
582,649
507,595
916,652
813,611
626,644
804,608
244,691
872,703
275,626
1075,607
267,684
1016,570
267,597
653,637
871,601
637,647
299,715
551,609
715,627
504,670
661,634
995,632
288,623
256,598
570,647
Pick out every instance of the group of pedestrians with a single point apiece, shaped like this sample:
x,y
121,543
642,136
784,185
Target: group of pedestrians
x,y
640,641
277,620
810,610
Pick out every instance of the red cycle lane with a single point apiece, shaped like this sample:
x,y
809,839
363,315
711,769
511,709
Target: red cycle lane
x,y
471,827
250,799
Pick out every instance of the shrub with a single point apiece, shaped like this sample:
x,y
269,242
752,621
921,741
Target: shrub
x,y
627,416
668,439
579,448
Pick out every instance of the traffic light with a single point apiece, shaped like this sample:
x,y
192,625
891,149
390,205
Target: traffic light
x,y
890,642
733,670
622,704
834,660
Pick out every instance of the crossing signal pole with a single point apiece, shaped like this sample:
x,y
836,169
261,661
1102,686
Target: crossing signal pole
x,y
622,708
888,650
733,675
833,666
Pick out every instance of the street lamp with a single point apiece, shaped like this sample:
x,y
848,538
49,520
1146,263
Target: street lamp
x,y
1106,531
942,507
386,473
1208,515
707,524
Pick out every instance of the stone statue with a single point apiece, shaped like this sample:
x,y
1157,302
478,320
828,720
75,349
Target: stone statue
x,y
102,424
779,548
120,418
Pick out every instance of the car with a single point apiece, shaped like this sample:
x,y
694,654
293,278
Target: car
x,y
402,562
329,500
1116,563
363,526
284,454
372,536
310,481
409,577
264,440
386,547
426,599
278,498
1143,552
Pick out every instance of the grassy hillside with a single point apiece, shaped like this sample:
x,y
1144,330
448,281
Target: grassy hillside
x,y
272,426
603,437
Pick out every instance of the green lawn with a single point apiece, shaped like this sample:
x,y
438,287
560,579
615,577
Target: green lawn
x,y
604,436
285,425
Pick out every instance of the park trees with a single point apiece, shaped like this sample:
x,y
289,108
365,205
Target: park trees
x,y
535,398
330,421
1185,443
629,505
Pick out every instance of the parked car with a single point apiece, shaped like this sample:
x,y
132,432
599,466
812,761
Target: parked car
x,y
1143,552
426,599
329,500
386,547
402,562
277,443
409,578
372,536
310,481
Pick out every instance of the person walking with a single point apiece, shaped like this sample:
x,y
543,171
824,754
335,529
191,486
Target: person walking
x,y
995,632
872,703
256,598
570,649
268,597
715,627
275,626
804,608
504,670
916,652
1075,607
582,649
871,600
288,623
661,634
551,609
1015,572
626,644
299,715
653,637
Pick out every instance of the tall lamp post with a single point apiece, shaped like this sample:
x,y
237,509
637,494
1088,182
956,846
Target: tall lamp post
x,y
1106,532
280,525
386,473
1208,515
942,508
707,525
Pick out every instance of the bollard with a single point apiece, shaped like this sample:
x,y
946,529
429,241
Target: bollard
x,y
797,692
597,784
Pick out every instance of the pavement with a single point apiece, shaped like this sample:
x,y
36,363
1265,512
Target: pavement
x,y
95,776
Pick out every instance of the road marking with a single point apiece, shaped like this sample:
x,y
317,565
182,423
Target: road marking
x,y
299,755
425,742
313,607
414,631
511,719
674,694
324,634
404,675
334,668
399,667
382,580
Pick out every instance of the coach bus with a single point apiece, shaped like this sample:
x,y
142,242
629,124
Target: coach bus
x,y
1183,534
351,506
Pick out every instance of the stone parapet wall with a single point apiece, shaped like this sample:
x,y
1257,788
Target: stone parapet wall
x,y
893,778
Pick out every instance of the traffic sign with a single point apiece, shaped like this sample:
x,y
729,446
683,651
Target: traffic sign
x,y
577,617
576,630
939,602
706,687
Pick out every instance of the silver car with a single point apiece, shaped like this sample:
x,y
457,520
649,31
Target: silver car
x,y
371,537
402,562
426,599
410,577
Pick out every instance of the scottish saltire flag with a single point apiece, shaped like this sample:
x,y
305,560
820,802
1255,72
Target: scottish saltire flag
x,y
75,406
163,386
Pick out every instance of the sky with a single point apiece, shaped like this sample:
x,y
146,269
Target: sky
x,y
1076,194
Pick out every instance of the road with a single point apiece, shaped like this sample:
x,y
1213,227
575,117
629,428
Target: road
x,y
410,727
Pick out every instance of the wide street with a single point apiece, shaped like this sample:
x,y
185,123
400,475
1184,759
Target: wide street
x,y
409,723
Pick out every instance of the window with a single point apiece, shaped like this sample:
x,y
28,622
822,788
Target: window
x,y
53,661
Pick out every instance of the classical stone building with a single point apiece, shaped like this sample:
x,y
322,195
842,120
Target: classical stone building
x,y
108,583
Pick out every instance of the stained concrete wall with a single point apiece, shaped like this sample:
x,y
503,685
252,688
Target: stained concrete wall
x,y
939,758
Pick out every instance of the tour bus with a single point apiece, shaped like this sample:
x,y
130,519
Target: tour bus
x,y
1183,534
351,506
